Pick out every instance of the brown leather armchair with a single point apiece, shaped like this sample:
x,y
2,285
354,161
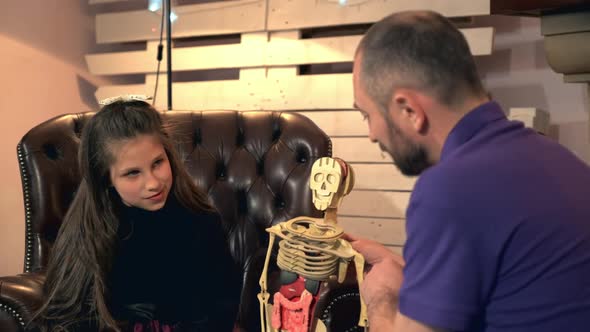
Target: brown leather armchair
x,y
254,165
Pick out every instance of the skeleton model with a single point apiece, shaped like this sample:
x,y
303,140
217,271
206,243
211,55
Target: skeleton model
x,y
311,251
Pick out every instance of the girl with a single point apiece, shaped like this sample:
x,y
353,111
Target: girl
x,y
140,248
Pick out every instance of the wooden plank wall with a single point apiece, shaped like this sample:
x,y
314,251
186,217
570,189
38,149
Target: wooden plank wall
x,y
274,43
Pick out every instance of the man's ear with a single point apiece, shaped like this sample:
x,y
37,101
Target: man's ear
x,y
409,108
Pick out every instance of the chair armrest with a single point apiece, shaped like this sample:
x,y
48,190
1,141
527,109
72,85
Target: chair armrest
x,y
339,304
20,296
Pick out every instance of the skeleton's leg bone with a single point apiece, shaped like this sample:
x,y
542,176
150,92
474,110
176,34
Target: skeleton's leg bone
x,y
359,262
263,296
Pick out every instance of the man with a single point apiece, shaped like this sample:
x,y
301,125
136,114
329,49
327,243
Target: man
x,y
498,225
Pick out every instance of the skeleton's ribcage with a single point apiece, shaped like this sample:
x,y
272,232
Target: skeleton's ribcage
x,y
306,257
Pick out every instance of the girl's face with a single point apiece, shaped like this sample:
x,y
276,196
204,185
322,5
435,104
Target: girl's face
x,y
141,172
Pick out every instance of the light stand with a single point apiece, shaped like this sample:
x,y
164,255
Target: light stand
x,y
167,12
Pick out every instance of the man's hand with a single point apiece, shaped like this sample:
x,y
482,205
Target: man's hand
x,y
380,289
383,277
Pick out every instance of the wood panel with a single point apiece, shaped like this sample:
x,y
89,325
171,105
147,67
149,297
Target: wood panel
x,y
387,231
480,40
338,123
278,51
259,49
381,177
288,14
219,18
310,92
359,149
267,88
381,204
531,117
214,18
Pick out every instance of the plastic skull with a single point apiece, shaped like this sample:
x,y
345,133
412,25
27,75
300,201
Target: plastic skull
x,y
326,175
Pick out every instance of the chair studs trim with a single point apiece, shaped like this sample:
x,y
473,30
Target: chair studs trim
x,y
28,222
326,312
14,313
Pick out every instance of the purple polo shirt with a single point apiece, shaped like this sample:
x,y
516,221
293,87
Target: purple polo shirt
x,y
498,232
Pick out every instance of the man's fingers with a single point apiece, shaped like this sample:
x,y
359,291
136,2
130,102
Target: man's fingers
x,y
372,251
350,238
363,246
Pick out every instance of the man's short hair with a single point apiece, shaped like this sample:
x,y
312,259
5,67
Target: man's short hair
x,y
421,50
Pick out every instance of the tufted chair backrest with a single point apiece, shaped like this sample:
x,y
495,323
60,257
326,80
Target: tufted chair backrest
x,y
255,167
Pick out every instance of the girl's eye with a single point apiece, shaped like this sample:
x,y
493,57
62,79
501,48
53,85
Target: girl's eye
x,y
158,162
131,173
365,117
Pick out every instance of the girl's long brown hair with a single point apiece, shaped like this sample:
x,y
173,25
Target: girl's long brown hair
x,y
76,289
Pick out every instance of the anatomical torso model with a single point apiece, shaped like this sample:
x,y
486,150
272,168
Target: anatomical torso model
x,y
311,251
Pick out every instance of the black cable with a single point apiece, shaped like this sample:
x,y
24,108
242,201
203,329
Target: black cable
x,y
169,52
160,55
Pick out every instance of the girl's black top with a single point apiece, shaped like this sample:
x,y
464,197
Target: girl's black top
x,y
173,267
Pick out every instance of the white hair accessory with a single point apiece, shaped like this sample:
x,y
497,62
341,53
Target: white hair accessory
x,y
111,100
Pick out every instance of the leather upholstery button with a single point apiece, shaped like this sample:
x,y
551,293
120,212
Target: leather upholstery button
x,y
51,151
